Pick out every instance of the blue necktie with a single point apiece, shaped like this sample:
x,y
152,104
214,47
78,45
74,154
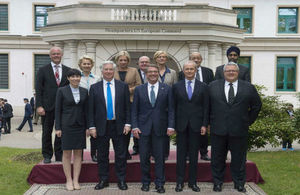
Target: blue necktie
x,y
110,112
189,90
152,96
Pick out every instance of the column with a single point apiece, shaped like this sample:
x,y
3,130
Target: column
x,y
224,50
212,55
91,51
72,44
194,47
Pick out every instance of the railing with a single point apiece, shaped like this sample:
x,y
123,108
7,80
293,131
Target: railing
x,y
147,15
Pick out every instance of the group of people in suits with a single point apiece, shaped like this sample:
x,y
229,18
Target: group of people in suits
x,y
6,113
152,105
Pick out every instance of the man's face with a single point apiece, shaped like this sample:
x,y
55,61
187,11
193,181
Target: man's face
x,y
56,55
152,75
231,73
189,71
233,57
197,58
144,63
108,72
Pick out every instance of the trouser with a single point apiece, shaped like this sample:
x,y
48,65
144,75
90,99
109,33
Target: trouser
x,y
7,125
93,146
25,119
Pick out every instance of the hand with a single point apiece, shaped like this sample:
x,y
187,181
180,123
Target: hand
x,y
126,130
87,132
40,110
203,130
136,133
93,132
170,132
58,133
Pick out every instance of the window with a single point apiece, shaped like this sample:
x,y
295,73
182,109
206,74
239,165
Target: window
x,y
3,17
244,18
287,20
39,61
41,16
286,74
245,61
3,71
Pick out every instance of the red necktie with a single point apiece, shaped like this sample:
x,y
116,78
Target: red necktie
x,y
57,75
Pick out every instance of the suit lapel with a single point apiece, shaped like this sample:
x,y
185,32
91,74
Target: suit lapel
x,y
196,88
183,90
222,90
101,91
239,92
63,75
50,70
160,91
70,94
145,93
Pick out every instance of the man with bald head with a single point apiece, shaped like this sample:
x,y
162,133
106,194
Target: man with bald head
x,y
49,78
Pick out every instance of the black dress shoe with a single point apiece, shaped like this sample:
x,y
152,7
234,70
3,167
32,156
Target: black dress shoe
x,y
122,185
160,189
145,187
217,187
134,153
240,188
30,131
94,158
47,160
18,129
205,157
194,187
179,187
101,185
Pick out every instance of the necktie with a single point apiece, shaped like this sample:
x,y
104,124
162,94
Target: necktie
x,y
197,75
152,96
189,90
230,94
57,75
110,112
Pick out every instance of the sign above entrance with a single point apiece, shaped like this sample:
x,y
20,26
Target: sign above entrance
x,y
141,30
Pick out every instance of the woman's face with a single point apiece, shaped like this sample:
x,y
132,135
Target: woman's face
x,y
123,62
74,80
161,59
86,65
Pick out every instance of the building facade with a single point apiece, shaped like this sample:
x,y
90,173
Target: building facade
x,y
266,31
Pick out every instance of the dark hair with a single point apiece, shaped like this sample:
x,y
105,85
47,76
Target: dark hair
x,y
26,99
73,72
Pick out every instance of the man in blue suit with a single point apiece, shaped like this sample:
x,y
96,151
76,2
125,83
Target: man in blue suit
x,y
152,118
27,116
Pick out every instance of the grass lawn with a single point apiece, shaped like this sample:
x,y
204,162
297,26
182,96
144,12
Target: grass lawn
x,y
280,170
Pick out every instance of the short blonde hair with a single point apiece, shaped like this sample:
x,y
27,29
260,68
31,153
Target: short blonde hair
x,y
158,53
122,53
85,57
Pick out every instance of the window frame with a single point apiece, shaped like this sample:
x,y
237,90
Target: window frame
x,y
8,71
297,22
285,74
251,17
34,5
33,66
6,3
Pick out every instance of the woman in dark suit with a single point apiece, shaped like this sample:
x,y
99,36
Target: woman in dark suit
x,y
71,125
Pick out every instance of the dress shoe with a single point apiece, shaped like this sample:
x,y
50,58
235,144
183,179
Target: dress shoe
x,y
205,157
240,188
122,185
179,187
217,187
194,187
69,186
101,185
145,187
160,189
76,186
94,158
47,160
134,153
18,129
34,123
30,131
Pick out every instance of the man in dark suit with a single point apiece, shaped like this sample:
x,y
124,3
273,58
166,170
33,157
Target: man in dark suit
x,y
233,53
27,116
205,75
144,62
191,116
49,78
7,115
152,118
109,118
234,105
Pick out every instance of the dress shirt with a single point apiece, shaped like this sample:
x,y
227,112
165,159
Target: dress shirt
x,y
200,74
87,81
162,77
143,74
227,86
187,84
155,89
59,69
76,94
113,93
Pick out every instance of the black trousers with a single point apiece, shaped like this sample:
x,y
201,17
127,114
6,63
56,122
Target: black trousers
x,y
203,144
191,140
126,142
103,153
238,148
166,145
152,145
93,146
6,124
25,119
47,128
135,144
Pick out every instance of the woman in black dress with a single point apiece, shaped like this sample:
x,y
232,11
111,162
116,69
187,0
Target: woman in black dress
x,y
71,125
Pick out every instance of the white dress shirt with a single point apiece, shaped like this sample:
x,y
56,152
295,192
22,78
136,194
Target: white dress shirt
x,y
155,89
87,81
227,87
187,84
76,94
59,69
113,92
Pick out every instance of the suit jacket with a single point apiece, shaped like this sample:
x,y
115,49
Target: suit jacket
x,y
46,86
7,111
207,75
28,110
170,78
233,119
143,80
132,78
160,117
97,107
194,111
68,114
32,103
244,73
